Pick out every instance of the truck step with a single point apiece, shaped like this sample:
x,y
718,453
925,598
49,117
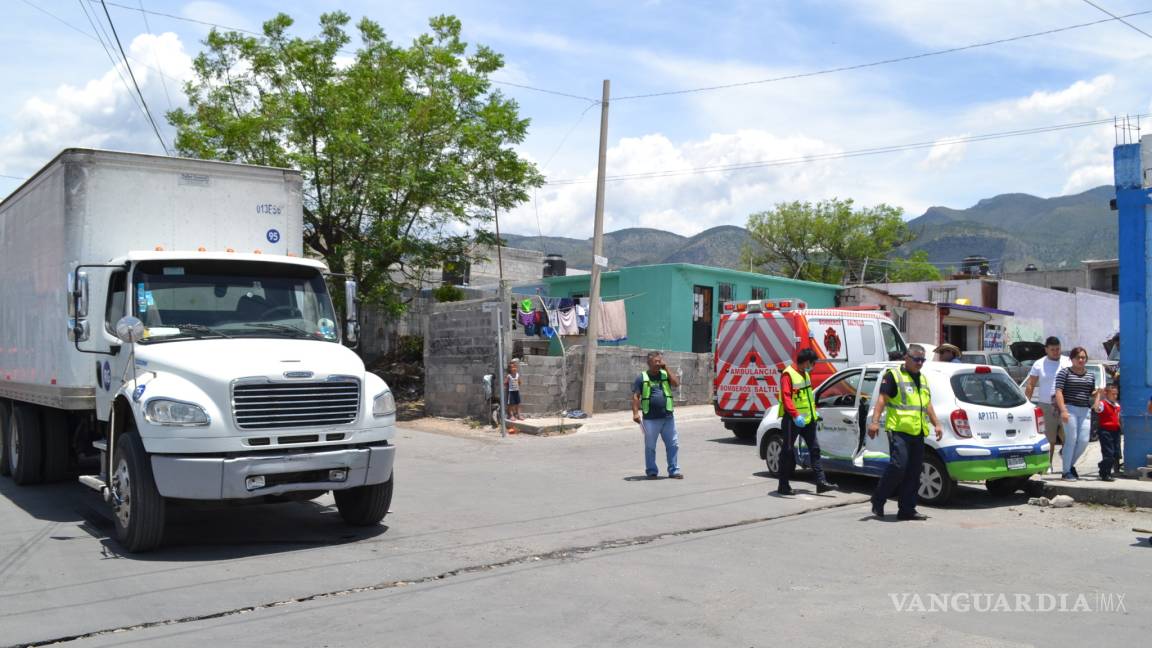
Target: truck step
x,y
95,483
100,445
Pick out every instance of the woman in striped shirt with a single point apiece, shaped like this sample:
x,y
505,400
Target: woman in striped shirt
x,y
1076,397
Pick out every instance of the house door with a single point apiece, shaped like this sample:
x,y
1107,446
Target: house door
x,y
701,319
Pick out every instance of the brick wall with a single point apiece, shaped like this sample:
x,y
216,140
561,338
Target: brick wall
x,y
459,349
554,384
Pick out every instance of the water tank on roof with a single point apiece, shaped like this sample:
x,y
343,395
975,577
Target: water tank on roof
x,y
555,265
974,265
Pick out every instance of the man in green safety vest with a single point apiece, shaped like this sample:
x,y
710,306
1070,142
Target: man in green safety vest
x,y
652,404
906,401
798,415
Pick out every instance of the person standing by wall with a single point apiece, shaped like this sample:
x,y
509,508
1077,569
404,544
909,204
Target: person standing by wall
x,y
1076,396
1041,389
798,415
1110,453
906,403
652,405
512,384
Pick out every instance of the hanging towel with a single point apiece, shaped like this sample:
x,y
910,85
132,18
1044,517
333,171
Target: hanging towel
x,y
527,318
581,317
551,303
548,332
553,318
568,324
613,320
566,302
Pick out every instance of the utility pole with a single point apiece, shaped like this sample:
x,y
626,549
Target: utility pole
x,y
589,390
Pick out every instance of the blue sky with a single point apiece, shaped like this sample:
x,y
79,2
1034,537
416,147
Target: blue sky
x,y
61,90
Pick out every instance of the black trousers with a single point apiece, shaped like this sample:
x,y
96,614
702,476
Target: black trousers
x,y
905,463
788,456
1109,451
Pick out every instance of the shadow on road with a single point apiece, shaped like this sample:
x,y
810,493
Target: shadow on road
x,y
732,439
194,531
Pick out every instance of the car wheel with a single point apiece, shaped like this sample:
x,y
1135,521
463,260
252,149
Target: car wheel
x,y
936,486
745,431
773,450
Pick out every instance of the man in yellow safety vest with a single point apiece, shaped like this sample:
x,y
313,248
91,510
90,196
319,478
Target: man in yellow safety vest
x,y
906,400
798,416
652,405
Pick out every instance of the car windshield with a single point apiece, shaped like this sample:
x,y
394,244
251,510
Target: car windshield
x,y
209,299
987,389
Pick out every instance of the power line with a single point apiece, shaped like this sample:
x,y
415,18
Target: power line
x,y
11,177
156,58
147,112
901,59
1121,19
805,159
142,10
96,31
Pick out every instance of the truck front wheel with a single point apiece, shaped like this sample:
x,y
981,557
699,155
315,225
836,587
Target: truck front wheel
x,y
24,445
365,505
137,507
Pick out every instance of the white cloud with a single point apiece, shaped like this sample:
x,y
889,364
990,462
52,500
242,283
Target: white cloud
x,y
1079,95
945,153
100,112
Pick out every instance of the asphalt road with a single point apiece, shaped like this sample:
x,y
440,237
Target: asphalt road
x,y
558,541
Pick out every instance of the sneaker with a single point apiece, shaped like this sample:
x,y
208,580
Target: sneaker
x,y
653,477
824,487
1068,477
1107,478
676,476
1074,473
785,490
912,517
877,510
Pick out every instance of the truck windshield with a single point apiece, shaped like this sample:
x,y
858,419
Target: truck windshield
x,y
206,299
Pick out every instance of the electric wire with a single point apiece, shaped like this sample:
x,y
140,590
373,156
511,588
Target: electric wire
x,y
889,61
156,58
147,112
107,52
1120,18
822,157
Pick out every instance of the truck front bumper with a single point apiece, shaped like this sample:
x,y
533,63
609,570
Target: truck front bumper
x,y
223,478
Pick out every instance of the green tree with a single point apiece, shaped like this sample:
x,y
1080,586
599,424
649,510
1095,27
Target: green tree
x,y
406,152
821,241
914,268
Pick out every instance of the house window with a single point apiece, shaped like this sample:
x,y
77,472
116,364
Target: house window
x,y
759,293
900,319
727,294
942,295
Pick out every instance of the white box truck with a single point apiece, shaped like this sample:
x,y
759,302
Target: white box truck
x,y
157,314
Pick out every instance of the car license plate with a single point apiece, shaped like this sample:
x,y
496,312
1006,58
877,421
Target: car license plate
x,y
1015,462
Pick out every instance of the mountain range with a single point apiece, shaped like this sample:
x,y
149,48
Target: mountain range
x,y
1011,230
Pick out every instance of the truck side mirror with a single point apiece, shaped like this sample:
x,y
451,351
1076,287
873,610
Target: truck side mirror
x,y
78,306
130,330
351,319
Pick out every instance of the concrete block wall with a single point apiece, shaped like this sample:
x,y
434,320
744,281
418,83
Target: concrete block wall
x,y
554,384
459,349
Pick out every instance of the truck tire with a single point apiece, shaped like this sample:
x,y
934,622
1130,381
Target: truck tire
x,y
365,505
936,486
745,431
137,507
57,444
5,413
25,445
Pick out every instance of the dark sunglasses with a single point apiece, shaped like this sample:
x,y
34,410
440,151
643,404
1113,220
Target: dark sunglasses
x,y
917,359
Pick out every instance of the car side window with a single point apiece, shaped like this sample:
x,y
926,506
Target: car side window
x,y
972,358
1009,361
997,359
839,392
117,290
893,343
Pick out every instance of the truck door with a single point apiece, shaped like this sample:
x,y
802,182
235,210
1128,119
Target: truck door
x,y
110,365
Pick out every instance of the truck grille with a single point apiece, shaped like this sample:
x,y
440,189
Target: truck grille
x,y
267,406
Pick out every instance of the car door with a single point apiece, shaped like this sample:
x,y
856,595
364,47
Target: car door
x,y
836,401
873,454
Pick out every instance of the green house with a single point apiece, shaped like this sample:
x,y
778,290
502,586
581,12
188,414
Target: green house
x,y
677,306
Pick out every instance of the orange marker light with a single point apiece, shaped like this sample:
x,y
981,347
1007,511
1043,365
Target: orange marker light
x,y
159,248
201,249
257,252
229,250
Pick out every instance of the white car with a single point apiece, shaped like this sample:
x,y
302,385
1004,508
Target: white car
x,y
991,432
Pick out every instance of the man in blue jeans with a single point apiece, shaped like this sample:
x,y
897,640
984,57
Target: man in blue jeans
x,y
652,405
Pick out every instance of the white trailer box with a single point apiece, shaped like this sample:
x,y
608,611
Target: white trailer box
x,y
158,311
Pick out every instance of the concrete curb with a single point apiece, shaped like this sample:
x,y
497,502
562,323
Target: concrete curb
x,y
1112,496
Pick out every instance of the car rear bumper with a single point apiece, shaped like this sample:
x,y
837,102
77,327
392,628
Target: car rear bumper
x,y
222,478
980,463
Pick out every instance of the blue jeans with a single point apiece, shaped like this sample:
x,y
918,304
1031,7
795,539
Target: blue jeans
x,y
663,428
1077,432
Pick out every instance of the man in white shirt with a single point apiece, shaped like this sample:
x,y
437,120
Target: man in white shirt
x,y
1042,383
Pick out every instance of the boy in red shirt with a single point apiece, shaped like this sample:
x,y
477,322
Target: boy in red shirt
x,y
1109,411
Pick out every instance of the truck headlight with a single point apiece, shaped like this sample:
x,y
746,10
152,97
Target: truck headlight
x,y
384,405
163,411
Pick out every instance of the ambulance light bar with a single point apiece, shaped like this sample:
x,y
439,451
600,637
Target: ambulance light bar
x,y
761,305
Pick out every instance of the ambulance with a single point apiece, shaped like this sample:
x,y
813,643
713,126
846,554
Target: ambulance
x,y
757,339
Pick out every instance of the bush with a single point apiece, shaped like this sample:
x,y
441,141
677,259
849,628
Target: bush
x,y
410,348
448,293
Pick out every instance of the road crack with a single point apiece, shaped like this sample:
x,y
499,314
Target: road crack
x,y
555,555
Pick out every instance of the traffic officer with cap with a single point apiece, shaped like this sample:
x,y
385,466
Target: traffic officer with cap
x,y
798,414
906,401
